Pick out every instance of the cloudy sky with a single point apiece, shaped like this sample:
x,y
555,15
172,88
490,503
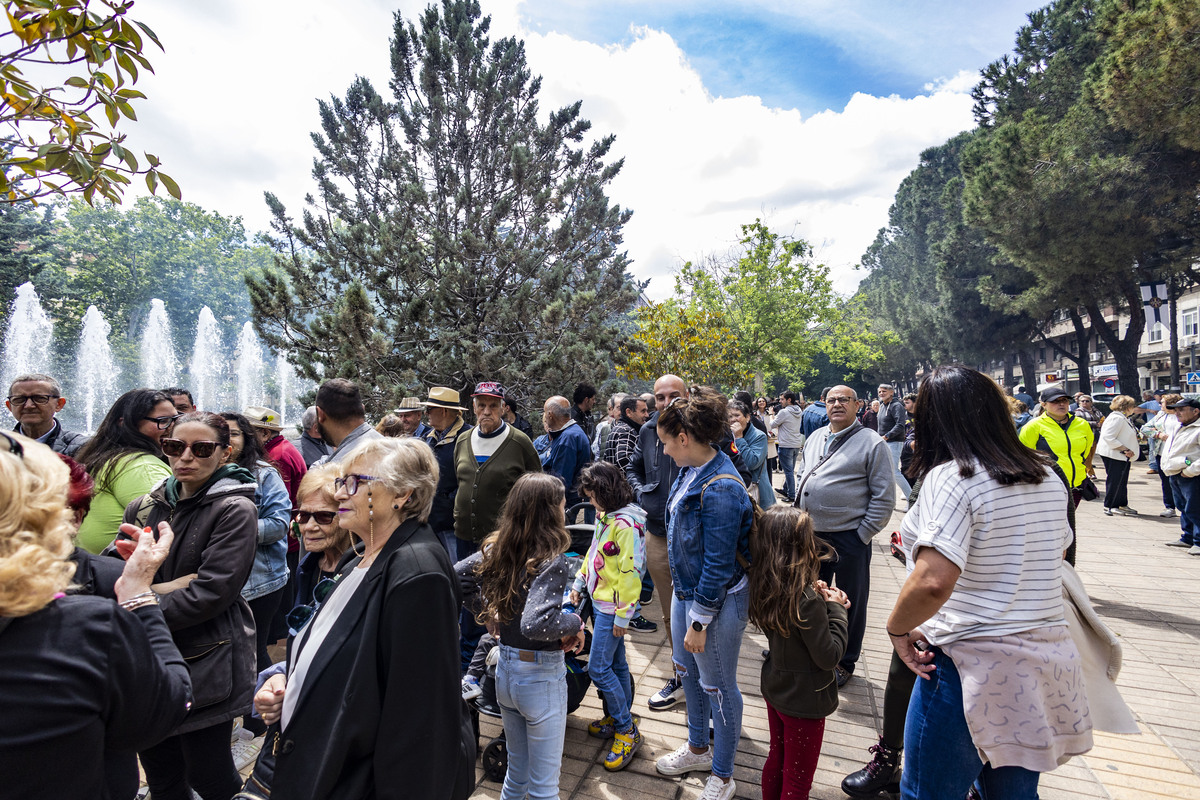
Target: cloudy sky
x,y
808,114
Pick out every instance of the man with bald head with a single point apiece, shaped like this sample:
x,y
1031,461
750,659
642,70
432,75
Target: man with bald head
x,y
847,485
564,449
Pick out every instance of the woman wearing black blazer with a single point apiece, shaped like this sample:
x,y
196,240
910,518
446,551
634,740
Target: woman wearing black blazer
x,y
79,674
369,704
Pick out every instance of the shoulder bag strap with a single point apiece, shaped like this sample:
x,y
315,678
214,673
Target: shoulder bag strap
x,y
854,428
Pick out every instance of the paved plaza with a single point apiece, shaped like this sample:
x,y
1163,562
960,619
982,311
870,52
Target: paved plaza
x,y
1146,592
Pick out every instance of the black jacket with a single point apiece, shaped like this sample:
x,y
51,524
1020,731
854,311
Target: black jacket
x,y
84,684
892,417
381,713
61,440
216,537
441,516
651,472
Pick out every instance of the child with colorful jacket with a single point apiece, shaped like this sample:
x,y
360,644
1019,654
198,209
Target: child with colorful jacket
x,y
612,575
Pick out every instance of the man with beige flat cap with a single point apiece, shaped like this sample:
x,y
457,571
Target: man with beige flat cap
x,y
409,412
268,427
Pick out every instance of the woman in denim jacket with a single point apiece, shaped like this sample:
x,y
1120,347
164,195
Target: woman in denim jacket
x,y
708,525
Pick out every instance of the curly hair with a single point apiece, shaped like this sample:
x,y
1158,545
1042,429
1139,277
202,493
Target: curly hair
x,y
607,485
531,531
787,557
35,527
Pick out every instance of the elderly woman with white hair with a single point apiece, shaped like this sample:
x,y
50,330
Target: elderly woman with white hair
x,y
369,704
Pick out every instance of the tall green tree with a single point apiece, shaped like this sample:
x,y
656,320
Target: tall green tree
x,y
693,343
1081,204
779,304
479,238
24,241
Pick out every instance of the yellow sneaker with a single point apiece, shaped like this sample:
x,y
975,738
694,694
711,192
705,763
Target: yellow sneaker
x,y
606,727
624,745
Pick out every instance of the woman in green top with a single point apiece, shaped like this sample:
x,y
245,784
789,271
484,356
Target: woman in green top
x,y
125,460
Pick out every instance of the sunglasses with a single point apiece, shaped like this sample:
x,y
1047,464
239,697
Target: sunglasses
x,y
351,482
163,422
322,517
300,616
176,447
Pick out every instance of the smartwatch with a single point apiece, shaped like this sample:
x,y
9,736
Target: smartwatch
x,y
698,626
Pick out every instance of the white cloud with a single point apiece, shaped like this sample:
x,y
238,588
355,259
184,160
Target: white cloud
x,y
234,100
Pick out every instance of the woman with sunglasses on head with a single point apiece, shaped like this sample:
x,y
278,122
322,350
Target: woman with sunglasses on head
x,y
708,542
369,703
210,505
124,459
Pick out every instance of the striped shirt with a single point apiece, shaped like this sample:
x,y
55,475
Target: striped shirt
x,y
1007,540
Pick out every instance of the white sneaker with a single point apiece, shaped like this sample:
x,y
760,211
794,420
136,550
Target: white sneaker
x,y
1127,511
667,696
1195,551
717,789
684,760
245,752
1167,513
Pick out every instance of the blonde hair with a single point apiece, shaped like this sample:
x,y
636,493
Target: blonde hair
x,y
35,527
1122,403
401,465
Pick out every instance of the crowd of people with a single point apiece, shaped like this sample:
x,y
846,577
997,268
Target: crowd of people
x,y
152,570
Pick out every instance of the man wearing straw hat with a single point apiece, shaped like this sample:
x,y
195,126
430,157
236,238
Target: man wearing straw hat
x,y
267,426
410,412
445,426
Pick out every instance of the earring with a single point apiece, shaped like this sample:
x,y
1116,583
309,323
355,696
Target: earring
x,y
395,506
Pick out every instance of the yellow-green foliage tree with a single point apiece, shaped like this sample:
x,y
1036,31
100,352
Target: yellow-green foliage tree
x,y
58,124
695,344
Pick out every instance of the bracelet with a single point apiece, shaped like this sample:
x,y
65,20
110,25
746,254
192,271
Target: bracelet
x,y
896,635
147,593
137,602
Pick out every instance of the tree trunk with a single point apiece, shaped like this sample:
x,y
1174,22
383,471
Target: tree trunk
x,y
1083,337
1008,373
1124,348
1028,370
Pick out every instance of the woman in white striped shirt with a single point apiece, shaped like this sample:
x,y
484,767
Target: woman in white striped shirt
x,y
980,617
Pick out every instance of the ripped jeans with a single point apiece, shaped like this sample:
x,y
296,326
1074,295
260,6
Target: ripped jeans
x,y
710,678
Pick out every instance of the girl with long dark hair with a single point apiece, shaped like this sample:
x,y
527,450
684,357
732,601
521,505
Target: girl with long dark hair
x,y
124,458
522,574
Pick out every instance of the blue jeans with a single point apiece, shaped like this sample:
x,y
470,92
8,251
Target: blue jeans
x,y
787,463
901,481
1187,500
610,670
533,704
940,760
710,678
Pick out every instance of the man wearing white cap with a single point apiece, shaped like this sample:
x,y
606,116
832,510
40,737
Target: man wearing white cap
x,y
410,412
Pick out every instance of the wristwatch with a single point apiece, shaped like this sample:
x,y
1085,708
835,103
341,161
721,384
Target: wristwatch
x,y
698,626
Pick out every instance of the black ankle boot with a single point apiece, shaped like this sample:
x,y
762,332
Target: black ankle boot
x,y
882,774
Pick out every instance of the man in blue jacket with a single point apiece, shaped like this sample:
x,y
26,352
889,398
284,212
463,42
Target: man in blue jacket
x,y
564,448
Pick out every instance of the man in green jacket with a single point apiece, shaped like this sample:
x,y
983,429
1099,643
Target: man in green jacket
x,y
487,463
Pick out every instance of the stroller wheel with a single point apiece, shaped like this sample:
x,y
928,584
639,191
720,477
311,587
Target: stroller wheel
x,y
495,760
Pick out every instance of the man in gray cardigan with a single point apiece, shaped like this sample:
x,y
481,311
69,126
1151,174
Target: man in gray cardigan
x,y
847,486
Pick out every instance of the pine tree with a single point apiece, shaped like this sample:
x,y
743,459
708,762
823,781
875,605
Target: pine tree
x,y
453,236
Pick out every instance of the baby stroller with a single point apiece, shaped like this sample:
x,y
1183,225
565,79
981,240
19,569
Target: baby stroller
x,y
494,755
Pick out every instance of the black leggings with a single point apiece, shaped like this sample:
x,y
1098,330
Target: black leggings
x,y
896,694
1116,482
263,608
199,759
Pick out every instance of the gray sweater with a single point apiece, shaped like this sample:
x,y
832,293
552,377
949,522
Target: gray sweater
x,y
855,490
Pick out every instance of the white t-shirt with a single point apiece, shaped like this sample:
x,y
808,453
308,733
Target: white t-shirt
x,y
311,639
1007,540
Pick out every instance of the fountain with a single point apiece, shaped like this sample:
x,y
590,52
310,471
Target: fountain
x,y
208,363
28,340
159,367
250,369
96,373
285,379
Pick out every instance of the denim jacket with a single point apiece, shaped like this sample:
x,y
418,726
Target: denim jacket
x,y
703,547
270,571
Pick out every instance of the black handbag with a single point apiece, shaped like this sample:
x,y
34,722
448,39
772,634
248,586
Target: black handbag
x,y
1088,490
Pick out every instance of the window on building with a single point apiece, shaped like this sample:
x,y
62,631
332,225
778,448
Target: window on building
x,y
1190,318
1042,355
1157,332
1074,347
